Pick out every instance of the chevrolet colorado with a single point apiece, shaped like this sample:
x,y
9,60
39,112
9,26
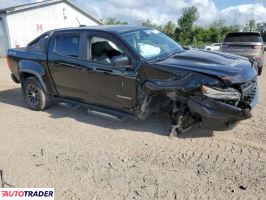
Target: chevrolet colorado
x,y
133,72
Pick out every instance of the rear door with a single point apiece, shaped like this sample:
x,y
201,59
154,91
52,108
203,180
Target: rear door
x,y
65,65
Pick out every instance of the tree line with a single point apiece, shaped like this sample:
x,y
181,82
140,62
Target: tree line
x,y
186,32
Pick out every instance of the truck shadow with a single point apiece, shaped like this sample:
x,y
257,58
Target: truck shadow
x,y
157,124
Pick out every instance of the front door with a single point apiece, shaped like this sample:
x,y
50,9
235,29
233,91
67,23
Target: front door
x,y
111,86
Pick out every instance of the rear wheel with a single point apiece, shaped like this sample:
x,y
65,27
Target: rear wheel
x,y
260,70
35,95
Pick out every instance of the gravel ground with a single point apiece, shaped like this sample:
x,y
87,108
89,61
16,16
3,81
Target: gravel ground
x,y
84,157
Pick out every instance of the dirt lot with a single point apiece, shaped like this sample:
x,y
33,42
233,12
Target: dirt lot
x,y
85,157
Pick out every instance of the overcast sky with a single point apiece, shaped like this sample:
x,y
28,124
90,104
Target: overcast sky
x,y
160,11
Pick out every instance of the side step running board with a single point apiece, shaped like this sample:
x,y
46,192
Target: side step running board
x,y
98,110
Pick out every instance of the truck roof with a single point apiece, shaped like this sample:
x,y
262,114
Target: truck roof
x,y
107,28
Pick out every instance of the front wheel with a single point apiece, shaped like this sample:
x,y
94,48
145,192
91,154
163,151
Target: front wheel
x,y
34,94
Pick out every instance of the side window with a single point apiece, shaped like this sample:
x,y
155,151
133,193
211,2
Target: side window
x,y
38,45
67,45
103,50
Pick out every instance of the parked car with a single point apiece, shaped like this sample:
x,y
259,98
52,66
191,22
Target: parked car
x,y
213,47
187,47
134,72
248,44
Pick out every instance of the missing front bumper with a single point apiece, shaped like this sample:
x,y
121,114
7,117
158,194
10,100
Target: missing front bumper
x,y
216,115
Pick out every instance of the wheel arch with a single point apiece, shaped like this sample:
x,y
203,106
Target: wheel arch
x,y
26,73
28,68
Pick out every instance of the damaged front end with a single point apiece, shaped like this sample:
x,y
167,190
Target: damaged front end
x,y
199,99
221,109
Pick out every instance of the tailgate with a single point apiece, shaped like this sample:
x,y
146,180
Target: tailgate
x,y
243,48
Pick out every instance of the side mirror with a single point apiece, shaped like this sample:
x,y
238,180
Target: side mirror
x,y
121,62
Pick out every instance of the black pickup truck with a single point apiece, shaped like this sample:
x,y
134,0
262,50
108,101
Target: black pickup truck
x,y
133,72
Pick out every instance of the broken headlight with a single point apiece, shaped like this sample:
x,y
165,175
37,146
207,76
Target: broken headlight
x,y
221,94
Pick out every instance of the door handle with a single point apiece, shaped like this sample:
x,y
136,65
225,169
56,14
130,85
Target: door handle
x,y
76,66
104,70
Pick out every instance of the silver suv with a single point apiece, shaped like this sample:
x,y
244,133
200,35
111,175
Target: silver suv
x,y
248,44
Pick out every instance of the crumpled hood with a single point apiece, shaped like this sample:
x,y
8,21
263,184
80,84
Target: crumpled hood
x,y
235,69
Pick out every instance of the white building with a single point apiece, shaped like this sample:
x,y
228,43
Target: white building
x,y
21,24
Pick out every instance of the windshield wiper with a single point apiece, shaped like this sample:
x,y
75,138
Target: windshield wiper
x,y
174,53
161,58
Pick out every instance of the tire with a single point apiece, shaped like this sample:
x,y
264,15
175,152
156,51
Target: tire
x,y
260,70
34,94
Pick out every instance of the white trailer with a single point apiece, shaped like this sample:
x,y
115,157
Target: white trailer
x,y
21,24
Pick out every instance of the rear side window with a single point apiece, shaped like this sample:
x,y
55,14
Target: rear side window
x,y
38,45
243,37
67,45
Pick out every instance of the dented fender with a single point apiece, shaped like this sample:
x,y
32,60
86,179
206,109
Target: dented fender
x,y
158,88
187,83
